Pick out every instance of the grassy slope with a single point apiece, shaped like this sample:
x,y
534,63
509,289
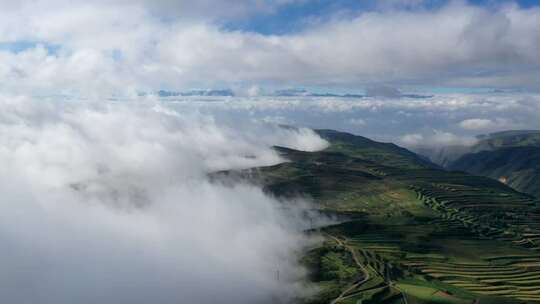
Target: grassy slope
x,y
425,235
509,156
366,149
519,167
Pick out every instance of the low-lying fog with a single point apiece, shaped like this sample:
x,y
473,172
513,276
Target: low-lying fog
x,y
107,202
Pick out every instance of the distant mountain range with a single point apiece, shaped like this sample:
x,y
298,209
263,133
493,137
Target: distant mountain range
x,y
278,93
225,92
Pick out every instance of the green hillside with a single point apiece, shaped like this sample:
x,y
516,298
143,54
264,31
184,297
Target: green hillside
x,y
513,157
409,232
366,149
518,167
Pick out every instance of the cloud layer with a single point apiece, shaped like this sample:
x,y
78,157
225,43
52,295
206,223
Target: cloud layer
x,y
444,119
144,45
110,203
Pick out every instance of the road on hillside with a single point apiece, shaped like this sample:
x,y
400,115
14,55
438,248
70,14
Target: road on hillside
x,y
366,277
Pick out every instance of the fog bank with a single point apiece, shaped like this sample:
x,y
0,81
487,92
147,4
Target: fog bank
x,y
105,202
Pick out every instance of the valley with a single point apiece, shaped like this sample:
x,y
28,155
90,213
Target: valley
x,y
512,157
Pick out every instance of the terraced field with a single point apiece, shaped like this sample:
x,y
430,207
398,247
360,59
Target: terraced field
x,y
495,214
413,232
457,266
486,278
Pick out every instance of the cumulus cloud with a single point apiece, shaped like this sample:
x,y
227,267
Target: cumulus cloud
x,y
476,124
333,53
412,139
357,122
495,124
437,138
138,46
110,203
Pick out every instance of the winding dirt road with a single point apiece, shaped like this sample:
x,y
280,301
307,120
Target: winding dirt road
x,y
366,278
354,253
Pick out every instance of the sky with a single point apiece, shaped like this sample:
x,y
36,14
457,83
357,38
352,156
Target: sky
x,y
122,47
296,16
109,191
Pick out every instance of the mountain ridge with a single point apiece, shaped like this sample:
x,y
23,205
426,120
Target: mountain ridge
x,y
408,232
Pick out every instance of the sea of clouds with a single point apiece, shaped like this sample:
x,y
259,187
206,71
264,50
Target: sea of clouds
x,y
444,119
110,202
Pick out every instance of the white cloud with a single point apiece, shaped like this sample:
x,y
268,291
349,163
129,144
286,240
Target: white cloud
x,y
412,139
477,124
351,51
134,45
356,122
442,138
110,203
276,120
436,138
386,119
495,124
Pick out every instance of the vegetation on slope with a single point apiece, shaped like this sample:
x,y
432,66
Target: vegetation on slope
x,y
518,167
511,157
416,234
366,149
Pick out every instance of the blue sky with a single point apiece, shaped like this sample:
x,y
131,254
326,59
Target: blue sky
x,y
298,16
22,45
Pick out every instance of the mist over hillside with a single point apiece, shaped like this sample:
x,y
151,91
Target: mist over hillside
x,y
116,205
